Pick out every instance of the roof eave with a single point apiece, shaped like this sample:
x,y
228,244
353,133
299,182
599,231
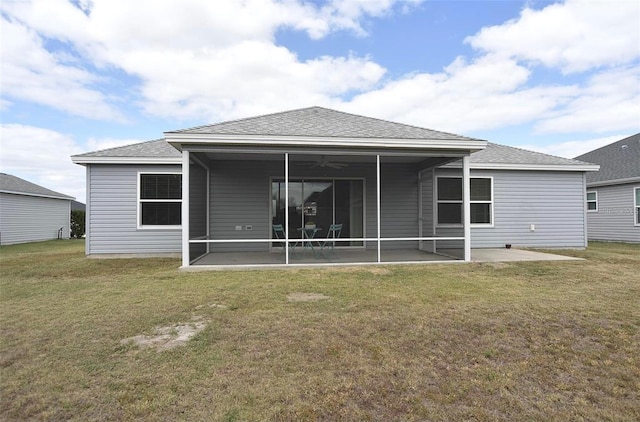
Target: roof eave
x,y
535,167
125,160
613,182
39,195
177,139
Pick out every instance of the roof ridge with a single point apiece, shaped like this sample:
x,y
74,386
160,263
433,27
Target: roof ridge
x,y
118,147
312,121
611,144
395,123
538,152
243,119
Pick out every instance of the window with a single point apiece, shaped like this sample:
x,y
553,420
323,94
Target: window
x,y
160,200
592,201
637,205
449,200
481,200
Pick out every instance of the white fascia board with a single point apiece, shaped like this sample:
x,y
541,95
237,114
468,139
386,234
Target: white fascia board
x,y
126,160
66,198
177,139
614,182
535,167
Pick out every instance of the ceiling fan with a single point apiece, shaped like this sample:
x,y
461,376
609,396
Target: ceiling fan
x,y
324,162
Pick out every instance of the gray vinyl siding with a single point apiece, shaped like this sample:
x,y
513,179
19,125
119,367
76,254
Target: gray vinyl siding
x,y
240,196
552,201
614,220
399,208
112,213
25,218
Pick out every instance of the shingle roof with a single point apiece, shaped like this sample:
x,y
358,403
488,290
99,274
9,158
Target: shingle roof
x,y
502,154
13,184
619,160
327,123
320,122
493,154
158,148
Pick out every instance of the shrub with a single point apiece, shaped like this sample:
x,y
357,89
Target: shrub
x,y
77,223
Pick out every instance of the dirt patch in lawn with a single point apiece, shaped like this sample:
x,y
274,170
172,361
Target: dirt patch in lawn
x,y
168,337
376,270
306,297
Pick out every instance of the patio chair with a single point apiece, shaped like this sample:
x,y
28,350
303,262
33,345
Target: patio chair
x,y
278,230
330,242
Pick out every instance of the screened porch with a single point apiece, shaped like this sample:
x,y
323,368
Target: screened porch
x,y
384,204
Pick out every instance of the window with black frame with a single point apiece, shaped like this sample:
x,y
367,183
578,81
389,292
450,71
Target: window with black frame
x,y
160,199
450,200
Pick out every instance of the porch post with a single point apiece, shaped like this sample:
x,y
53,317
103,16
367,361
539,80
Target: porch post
x,y
466,196
185,208
420,246
286,208
378,204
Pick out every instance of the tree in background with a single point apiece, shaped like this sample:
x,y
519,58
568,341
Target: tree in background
x,y
77,223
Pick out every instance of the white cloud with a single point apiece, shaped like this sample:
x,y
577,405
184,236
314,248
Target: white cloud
x,y
573,149
484,94
41,156
610,101
219,84
31,73
195,60
574,36
219,60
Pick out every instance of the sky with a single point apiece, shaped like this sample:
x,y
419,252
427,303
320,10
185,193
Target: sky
x,y
560,77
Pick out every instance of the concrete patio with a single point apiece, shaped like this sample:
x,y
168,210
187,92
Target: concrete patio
x,y
226,260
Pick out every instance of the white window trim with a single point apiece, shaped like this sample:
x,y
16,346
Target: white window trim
x,y
595,200
448,201
636,207
490,202
140,201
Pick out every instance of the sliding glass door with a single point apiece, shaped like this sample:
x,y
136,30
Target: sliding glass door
x,y
320,202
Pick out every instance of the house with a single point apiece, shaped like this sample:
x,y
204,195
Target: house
x,y
78,206
613,193
401,193
31,213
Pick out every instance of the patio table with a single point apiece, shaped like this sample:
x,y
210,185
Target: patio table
x,y
308,236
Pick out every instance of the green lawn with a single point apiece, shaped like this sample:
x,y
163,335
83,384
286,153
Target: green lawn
x,y
551,341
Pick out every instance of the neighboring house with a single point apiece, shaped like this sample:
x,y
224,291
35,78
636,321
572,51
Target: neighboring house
x,y
613,193
31,213
401,193
78,206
